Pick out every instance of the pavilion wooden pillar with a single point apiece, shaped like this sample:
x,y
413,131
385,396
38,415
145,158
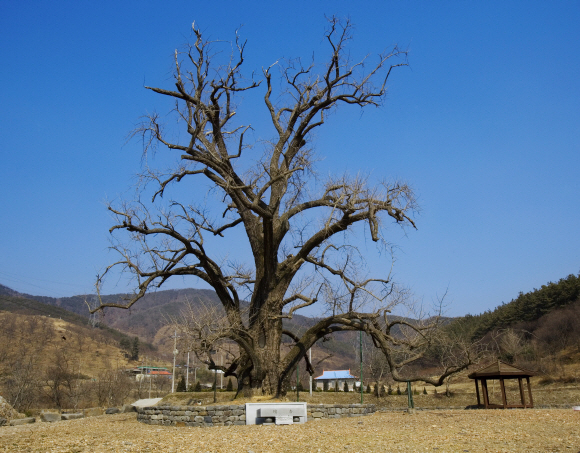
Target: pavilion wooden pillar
x,y
477,392
485,393
530,392
522,396
503,396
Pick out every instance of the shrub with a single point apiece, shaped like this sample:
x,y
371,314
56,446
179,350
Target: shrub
x,y
230,386
345,387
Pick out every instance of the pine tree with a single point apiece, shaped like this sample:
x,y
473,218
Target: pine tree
x,y
125,344
325,386
424,391
135,349
181,385
345,387
368,388
197,387
230,386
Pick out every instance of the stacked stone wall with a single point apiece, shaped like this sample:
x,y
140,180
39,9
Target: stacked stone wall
x,y
236,414
319,411
193,415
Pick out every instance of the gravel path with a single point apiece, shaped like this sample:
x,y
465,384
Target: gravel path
x,y
427,431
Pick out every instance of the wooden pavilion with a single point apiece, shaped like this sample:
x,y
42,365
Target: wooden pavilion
x,y
502,371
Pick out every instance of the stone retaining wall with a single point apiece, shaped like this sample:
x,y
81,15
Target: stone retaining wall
x,y
318,411
193,415
236,414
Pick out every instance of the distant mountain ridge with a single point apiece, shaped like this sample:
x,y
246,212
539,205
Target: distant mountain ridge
x,y
550,313
144,319
149,314
148,318
14,302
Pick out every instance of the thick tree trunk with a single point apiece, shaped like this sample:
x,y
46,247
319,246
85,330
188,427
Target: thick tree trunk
x,y
263,375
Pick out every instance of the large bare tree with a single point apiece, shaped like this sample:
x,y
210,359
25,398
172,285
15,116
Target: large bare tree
x,y
296,224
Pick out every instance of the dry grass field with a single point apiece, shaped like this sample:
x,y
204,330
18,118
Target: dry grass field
x,y
554,395
437,431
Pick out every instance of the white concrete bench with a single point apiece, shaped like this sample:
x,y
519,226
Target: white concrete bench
x,y
279,413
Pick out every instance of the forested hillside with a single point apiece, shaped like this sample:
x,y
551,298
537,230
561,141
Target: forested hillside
x,y
526,308
539,330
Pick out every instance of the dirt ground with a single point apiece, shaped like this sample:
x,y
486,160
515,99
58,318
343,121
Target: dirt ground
x,y
530,430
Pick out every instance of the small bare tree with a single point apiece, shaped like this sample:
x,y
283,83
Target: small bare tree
x,y
112,388
376,366
296,225
22,381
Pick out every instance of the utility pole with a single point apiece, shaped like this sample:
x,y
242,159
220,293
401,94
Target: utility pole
x,y
174,355
297,382
149,374
361,369
214,385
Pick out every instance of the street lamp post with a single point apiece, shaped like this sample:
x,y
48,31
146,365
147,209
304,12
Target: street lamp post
x,y
213,351
174,355
310,360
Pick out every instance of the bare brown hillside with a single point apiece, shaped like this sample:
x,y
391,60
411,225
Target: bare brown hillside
x,y
49,362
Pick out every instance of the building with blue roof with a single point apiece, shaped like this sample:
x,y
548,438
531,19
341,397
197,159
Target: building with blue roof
x,y
336,378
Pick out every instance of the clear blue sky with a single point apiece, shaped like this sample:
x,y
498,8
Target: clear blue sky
x,y
485,125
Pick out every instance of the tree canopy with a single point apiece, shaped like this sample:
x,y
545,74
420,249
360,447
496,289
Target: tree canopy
x,y
293,220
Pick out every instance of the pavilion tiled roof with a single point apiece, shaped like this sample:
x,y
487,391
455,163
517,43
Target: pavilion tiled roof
x,y
500,369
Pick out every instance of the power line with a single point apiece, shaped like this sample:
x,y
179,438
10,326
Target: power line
x,y
5,277
41,280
